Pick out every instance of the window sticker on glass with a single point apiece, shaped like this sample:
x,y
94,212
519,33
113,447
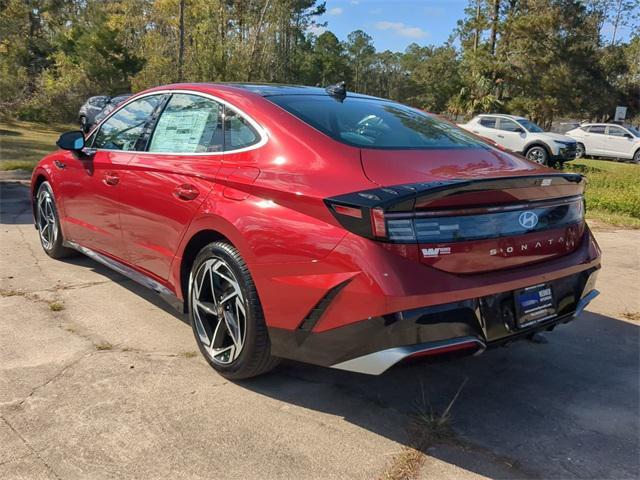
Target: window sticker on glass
x,y
189,124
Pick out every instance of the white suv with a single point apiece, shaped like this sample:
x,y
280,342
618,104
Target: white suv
x,y
607,140
523,136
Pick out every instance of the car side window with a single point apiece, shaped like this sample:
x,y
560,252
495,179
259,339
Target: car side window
x,y
597,129
122,130
616,132
238,132
508,125
189,124
489,122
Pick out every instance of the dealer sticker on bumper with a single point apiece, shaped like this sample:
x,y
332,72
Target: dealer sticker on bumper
x,y
534,304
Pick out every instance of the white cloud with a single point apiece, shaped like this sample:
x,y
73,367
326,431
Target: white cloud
x,y
335,11
402,29
317,29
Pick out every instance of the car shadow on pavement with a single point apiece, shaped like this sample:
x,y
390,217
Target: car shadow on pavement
x,y
567,408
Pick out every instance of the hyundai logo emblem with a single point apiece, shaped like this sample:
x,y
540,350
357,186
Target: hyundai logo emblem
x,y
528,220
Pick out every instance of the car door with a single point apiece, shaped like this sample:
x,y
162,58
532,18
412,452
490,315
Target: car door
x,y
90,184
486,127
168,182
510,134
595,140
619,142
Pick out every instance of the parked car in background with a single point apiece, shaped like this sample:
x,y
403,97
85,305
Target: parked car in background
x,y
563,126
110,106
523,136
607,140
88,111
319,225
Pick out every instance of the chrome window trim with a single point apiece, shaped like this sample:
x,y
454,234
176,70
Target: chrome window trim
x,y
262,132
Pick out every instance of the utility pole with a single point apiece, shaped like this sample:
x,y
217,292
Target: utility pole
x,y
181,40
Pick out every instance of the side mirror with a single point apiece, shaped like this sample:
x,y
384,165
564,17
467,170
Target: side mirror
x,y
628,135
519,130
73,141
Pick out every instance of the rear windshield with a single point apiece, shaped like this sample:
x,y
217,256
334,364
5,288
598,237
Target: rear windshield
x,y
373,123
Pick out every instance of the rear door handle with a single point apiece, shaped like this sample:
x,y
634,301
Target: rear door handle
x,y
475,131
111,179
500,136
186,192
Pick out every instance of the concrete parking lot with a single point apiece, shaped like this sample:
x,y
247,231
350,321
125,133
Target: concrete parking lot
x,y
98,379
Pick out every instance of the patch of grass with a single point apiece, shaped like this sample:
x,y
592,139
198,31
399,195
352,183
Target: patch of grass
x,y
432,424
190,354
9,293
613,190
103,346
23,144
426,428
635,316
56,306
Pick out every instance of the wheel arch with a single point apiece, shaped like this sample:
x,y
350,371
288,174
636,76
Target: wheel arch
x,y
537,143
193,246
38,180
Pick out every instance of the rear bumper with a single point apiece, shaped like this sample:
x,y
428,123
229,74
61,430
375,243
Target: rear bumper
x,y
470,326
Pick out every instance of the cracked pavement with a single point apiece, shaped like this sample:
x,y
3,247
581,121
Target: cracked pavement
x,y
110,387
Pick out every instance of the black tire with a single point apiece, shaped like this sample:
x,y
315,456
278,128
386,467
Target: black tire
x,y
51,237
636,157
254,357
537,154
580,150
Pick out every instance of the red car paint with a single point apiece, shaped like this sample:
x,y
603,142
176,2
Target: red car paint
x,y
144,209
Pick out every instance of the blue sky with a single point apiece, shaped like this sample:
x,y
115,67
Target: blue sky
x,y
394,24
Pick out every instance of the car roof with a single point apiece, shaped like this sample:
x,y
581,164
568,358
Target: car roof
x,y
271,89
512,117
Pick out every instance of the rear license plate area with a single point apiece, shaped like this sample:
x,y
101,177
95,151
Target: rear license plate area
x,y
534,305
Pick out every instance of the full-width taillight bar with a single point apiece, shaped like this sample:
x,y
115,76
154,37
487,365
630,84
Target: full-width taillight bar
x,y
382,213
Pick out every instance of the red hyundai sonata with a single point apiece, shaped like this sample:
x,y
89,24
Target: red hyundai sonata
x,y
319,225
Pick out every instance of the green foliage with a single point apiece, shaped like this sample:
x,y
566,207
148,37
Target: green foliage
x,y
612,188
540,58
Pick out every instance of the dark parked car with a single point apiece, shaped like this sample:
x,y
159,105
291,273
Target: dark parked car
x,y
88,111
319,225
97,108
110,106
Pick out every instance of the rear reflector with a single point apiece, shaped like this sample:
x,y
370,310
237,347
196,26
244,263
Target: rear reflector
x,y
349,211
378,224
455,347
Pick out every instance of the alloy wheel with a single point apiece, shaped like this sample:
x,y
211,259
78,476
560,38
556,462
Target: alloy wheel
x,y
47,224
537,154
579,150
219,311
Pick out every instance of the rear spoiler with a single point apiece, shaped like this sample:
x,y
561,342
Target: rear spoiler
x,y
404,197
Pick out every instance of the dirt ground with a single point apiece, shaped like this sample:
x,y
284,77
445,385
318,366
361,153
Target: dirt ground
x,y
98,379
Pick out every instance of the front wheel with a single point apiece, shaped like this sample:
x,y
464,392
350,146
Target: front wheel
x,y
48,223
580,150
636,156
538,154
226,315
